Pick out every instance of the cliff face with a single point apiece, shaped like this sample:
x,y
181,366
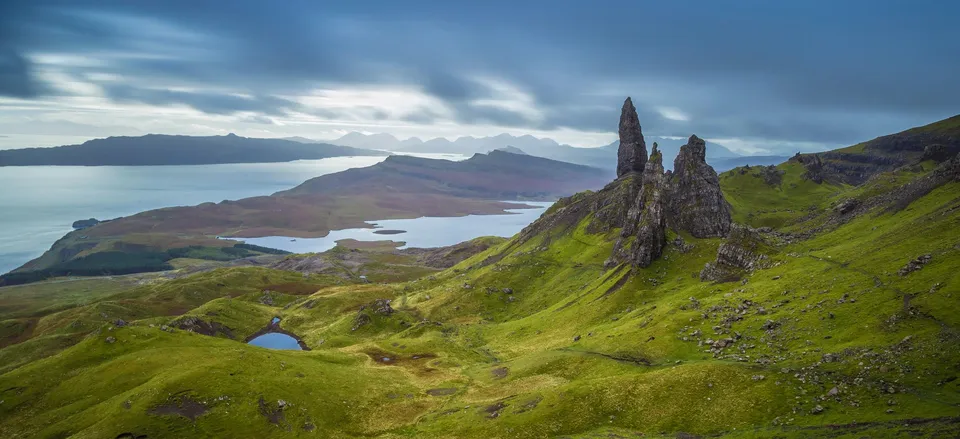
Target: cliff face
x,y
938,142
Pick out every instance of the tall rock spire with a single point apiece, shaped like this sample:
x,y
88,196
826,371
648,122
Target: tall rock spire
x,y
632,155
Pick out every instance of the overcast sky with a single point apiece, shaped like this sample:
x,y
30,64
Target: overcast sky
x,y
758,76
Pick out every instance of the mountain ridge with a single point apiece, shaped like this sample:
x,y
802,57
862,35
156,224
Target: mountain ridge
x,y
163,149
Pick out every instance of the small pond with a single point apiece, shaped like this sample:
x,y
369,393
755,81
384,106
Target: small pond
x,y
276,340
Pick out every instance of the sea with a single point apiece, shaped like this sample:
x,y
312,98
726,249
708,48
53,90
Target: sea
x,y
38,204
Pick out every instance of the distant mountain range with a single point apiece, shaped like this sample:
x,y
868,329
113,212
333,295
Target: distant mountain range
x,y
158,149
600,157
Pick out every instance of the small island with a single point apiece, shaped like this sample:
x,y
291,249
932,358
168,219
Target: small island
x,y
389,232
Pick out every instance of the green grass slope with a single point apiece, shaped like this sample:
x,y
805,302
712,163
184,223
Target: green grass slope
x,y
534,337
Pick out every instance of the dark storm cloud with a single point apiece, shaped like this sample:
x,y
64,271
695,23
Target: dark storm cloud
x,y
15,77
792,71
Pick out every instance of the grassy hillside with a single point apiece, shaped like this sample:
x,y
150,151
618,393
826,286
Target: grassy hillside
x,y
535,338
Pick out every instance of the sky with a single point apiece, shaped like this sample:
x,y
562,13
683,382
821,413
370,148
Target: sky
x,y
758,76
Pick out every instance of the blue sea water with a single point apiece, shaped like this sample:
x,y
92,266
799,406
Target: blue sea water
x,y
38,204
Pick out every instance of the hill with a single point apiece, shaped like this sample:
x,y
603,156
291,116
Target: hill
x,y
157,149
512,149
757,303
855,164
496,175
399,187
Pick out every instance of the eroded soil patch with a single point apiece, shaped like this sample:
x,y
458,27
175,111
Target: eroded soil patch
x,y
180,405
273,413
493,410
203,327
417,363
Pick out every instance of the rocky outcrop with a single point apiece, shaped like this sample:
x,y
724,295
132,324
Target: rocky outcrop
x,y
194,324
915,264
742,252
696,202
652,227
379,307
813,166
632,154
643,235
643,202
939,152
85,223
771,175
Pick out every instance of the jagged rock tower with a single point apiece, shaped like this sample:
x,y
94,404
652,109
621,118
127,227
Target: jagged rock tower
x,y
689,199
632,154
651,227
696,201
644,202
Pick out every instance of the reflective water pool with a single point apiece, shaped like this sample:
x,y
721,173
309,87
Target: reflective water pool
x,y
276,340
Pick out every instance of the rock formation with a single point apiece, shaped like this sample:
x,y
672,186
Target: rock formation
x,y
938,153
632,155
644,201
813,166
651,234
740,253
696,201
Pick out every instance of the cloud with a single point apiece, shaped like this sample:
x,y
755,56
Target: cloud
x,y
754,70
256,118
673,114
212,103
16,78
